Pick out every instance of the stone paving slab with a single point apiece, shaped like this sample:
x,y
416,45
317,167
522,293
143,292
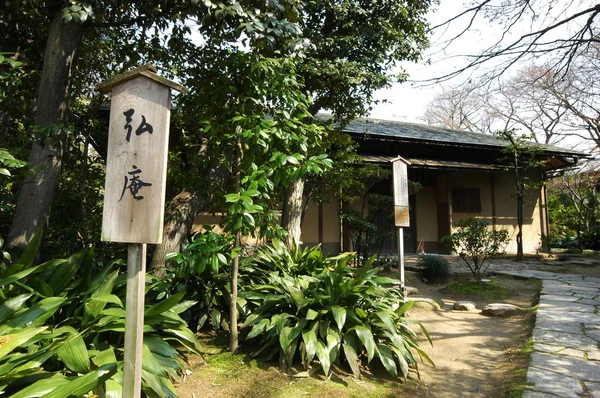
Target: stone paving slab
x,y
553,383
566,366
578,317
566,337
566,306
567,340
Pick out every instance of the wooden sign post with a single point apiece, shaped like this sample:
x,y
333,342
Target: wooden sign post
x,y
401,208
134,191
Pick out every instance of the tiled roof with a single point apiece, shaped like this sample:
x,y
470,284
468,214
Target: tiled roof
x,y
421,132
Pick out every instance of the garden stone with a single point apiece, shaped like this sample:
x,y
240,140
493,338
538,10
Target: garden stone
x,y
465,306
425,303
411,291
499,309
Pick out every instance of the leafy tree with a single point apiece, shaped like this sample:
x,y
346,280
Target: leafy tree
x,y
574,203
523,157
354,48
476,244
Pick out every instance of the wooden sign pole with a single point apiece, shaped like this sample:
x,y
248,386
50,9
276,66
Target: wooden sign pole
x,y
401,256
401,209
134,321
134,191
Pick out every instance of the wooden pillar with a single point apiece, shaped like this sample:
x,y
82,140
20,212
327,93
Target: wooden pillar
x,y
134,321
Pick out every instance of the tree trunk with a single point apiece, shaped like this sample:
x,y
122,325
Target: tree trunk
x,y
520,225
235,265
291,218
37,192
179,218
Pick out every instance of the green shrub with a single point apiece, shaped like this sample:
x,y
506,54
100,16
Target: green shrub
x,y
62,327
434,269
203,270
475,244
332,313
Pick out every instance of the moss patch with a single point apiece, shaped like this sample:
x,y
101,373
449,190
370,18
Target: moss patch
x,y
490,290
239,375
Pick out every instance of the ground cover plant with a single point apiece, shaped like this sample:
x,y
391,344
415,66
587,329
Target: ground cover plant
x,y
328,311
62,327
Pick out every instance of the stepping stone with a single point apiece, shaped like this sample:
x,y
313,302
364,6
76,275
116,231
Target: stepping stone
x,y
499,309
464,306
425,303
411,291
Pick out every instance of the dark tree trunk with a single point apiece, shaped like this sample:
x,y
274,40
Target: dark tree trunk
x,y
180,214
233,315
37,192
291,218
179,218
520,195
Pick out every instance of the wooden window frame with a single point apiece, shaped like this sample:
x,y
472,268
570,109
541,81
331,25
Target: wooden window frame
x,y
466,200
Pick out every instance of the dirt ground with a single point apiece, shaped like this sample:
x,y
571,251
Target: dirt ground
x,y
473,354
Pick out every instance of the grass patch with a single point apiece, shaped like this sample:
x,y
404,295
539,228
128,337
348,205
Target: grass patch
x,y
223,374
492,290
515,368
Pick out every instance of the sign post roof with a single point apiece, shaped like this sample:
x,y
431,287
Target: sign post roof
x,y
147,70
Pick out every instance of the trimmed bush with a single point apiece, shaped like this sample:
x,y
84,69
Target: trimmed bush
x,y
434,269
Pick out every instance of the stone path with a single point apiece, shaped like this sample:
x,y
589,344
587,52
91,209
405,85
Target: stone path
x,y
566,339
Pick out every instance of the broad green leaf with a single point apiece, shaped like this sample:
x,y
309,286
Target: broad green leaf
x,y
183,306
105,357
323,355
339,314
387,359
164,305
10,306
232,198
150,364
27,271
11,341
360,312
63,274
401,359
352,359
387,321
311,314
405,307
83,384
186,336
74,354
158,346
366,337
259,328
310,342
41,387
37,313
161,386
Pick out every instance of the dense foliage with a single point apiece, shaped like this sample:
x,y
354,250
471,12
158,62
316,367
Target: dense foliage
x,y
307,307
573,210
475,243
62,327
434,269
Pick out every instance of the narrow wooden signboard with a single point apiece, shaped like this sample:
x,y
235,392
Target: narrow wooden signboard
x,y
134,192
401,207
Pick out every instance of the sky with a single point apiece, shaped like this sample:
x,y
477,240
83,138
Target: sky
x,y
407,101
